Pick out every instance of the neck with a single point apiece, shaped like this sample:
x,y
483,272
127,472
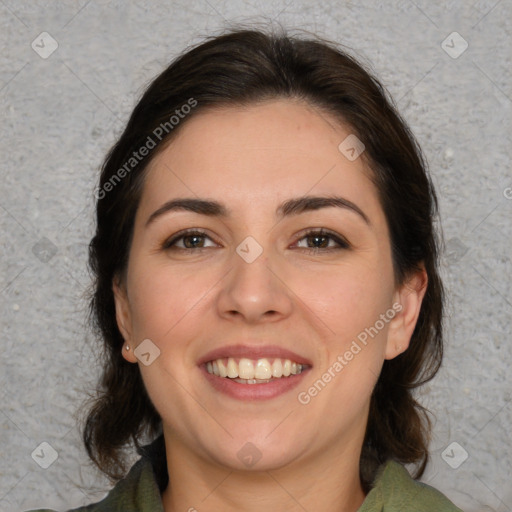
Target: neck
x,y
330,482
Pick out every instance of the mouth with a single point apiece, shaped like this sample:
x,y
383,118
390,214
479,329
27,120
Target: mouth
x,y
249,373
254,371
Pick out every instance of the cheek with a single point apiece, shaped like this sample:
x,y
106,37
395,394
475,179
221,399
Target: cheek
x,y
350,300
346,298
164,299
350,304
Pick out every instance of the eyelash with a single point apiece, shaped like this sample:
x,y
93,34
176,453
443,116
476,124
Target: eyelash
x,y
342,242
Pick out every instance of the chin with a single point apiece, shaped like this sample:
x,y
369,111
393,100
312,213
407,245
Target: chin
x,y
255,453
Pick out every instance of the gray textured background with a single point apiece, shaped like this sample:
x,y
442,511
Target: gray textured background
x,y
61,114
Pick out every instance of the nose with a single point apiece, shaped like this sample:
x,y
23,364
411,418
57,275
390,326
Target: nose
x,y
254,291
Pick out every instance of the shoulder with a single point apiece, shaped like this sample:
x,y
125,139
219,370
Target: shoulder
x,y
395,490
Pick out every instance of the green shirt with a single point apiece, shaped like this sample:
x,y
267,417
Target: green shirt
x,y
140,491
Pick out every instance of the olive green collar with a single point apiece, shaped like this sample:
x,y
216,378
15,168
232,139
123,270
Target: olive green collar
x,y
140,491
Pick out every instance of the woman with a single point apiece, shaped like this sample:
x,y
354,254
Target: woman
x,y
267,288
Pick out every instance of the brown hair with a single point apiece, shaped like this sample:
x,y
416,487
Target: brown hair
x,y
238,68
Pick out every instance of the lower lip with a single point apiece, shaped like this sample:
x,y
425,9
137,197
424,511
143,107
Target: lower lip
x,y
262,391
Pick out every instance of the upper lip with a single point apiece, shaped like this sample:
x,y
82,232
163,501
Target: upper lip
x,y
253,352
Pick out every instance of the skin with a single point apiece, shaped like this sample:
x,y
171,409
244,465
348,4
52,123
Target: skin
x,y
314,303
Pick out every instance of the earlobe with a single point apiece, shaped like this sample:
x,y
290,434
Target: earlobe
x,y
123,318
408,298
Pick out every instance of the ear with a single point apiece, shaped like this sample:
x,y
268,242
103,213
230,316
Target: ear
x,y
407,304
123,318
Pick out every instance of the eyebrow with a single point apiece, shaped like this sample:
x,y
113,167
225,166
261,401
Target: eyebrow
x,y
290,207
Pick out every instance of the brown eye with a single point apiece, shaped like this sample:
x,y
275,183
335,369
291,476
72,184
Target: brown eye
x,y
321,240
189,240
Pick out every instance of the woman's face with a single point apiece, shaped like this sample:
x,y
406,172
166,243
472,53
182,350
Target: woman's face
x,y
254,286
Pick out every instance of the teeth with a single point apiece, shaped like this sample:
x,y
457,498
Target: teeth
x,y
252,381
232,368
248,371
277,368
223,371
245,369
263,369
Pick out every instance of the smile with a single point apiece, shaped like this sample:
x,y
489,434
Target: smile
x,y
253,371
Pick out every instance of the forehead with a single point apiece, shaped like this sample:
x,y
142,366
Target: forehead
x,y
267,152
